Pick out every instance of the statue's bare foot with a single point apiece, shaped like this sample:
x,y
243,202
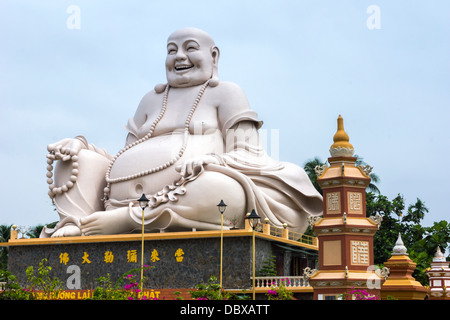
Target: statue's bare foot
x,y
67,231
107,222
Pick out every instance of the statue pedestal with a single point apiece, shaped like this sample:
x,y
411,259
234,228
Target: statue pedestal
x,y
179,259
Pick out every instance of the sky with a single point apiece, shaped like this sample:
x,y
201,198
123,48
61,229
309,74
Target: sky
x,y
76,67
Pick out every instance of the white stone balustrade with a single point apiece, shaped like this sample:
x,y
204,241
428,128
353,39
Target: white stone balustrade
x,y
288,281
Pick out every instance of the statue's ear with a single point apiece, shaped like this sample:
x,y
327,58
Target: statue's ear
x,y
215,52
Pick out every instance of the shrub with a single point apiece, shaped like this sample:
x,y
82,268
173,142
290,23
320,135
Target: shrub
x,y
11,289
280,292
125,288
213,291
41,285
359,294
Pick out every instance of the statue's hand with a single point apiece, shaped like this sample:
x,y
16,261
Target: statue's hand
x,y
66,148
194,166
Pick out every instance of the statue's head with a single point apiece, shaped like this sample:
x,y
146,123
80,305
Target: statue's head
x,y
192,58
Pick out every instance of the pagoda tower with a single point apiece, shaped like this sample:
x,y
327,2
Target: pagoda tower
x,y
439,276
344,232
401,285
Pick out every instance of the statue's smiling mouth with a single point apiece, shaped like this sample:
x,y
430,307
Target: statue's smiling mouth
x,y
184,67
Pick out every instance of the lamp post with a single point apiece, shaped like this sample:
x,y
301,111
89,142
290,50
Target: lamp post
x,y
253,220
143,202
222,206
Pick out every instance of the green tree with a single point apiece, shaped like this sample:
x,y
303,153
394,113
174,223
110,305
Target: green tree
x,y
387,234
374,178
416,212
310,169
35,232
5,233
268,268
423,249
421,242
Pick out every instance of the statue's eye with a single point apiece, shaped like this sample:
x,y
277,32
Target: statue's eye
x,y
172,49
192,46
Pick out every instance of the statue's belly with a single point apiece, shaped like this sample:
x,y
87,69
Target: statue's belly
x,y
154,153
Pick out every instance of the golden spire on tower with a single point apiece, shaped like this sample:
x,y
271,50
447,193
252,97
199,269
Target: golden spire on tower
x,y
341,146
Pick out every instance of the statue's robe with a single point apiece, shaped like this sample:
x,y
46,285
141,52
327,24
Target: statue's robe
x,y
279,191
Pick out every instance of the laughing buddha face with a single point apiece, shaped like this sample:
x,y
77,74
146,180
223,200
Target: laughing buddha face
x,y
192,58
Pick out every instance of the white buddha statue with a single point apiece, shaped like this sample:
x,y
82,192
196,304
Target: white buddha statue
x,y
191,143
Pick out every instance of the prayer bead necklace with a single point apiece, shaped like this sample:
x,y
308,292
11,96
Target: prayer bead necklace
x,y
165,165
54,190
